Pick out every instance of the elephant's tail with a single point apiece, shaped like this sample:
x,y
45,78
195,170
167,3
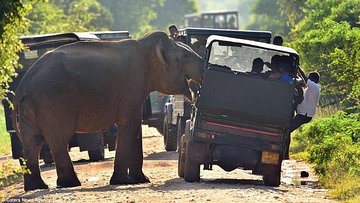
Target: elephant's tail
x,y
15,112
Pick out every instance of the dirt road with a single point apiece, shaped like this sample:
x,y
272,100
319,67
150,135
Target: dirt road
x,y
166,186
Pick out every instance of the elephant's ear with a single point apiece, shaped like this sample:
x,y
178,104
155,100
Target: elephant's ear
x,y
162,55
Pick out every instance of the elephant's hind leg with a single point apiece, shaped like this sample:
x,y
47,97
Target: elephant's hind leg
x,y
32,143
64,167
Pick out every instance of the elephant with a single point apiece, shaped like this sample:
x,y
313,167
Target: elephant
x,y
86,87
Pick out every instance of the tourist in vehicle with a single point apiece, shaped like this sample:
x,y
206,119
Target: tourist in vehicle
x,y
280,68
306,110
257,67
274,67
199,45
285,69
232,24
174,32
278,40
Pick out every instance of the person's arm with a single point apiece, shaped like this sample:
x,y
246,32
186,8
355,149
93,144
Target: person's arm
x,y
268,64
302,75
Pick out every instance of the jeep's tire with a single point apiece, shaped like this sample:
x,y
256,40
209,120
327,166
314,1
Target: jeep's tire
x,y
179,132
274,179
48,160
191,169
170,139
181,160
159,125
46,155
99,153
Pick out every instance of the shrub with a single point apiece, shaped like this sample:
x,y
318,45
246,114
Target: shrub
x,y
332,144
9,172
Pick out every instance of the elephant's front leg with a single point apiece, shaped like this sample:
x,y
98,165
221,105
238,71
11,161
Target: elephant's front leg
x,y
136,161
127,156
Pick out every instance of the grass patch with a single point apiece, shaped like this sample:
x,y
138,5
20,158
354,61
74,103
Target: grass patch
x,y
348,188
5,144
10,171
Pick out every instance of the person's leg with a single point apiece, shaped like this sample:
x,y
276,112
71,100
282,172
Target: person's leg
x,y
296,122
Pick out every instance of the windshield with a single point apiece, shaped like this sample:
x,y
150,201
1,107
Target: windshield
x,y
240,58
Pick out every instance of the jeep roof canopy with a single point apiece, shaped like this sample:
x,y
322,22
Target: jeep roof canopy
x,y
242,34
54,40
250,43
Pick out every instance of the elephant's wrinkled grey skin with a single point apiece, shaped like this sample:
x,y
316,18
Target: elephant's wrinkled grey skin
x,y
86,87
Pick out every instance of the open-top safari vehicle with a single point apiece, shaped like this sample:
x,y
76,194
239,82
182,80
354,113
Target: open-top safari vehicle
x,y
240,120
178,109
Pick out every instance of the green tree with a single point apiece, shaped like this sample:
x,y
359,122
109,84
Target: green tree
x,y
13,23
134,16
267,16
329,43
88,15
172,12
292,10
69,16
47,18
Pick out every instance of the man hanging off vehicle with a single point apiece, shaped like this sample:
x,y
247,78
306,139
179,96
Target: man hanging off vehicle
x,y
306,110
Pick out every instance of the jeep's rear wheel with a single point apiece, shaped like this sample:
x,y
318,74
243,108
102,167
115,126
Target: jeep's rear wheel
x,y
99,153
179,132
191,169
273,179
181,160
169,132
46,155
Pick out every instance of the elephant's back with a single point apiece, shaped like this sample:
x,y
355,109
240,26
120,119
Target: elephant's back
x,y
82,71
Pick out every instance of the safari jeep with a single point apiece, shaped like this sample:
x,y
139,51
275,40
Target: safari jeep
x,y
239,120
178,109
38,45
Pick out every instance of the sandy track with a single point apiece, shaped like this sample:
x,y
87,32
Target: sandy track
x,y
166,186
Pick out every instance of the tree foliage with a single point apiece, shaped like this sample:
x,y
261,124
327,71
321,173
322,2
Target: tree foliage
x,y
328,40
134,16
267,16
69,16
13,23
173,12
143,16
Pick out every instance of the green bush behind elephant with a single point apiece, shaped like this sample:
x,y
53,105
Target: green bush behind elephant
x,y
87,86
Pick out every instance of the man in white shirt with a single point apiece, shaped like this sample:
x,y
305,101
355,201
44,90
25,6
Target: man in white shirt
x,y
307,108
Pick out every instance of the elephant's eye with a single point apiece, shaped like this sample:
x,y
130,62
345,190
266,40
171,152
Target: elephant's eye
x,y
186,55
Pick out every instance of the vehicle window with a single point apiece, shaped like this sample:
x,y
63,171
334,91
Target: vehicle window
x,y
208,21
239,58
27,58
220,21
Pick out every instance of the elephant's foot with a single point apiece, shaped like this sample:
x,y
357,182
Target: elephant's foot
x,y
140,178
31,183
122,180
73,182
